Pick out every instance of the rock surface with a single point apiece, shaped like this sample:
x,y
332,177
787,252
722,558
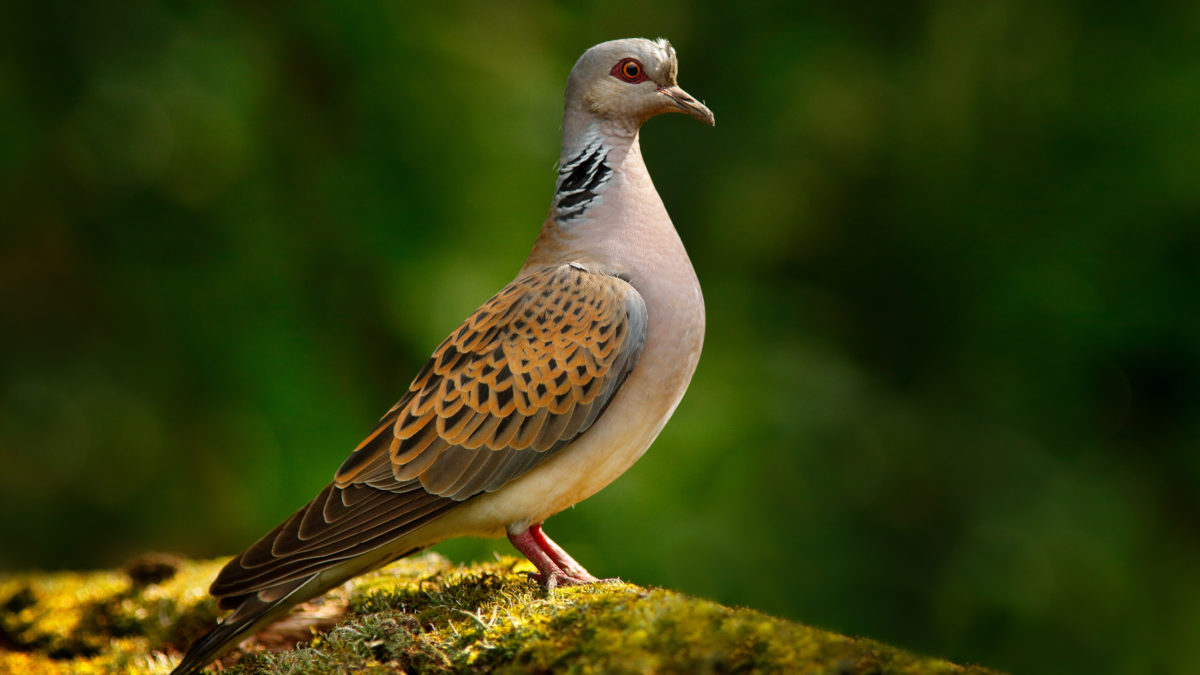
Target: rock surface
x,y
417,616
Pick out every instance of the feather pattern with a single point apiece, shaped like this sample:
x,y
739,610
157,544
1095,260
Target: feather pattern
x,y
525,374
580,180
529,371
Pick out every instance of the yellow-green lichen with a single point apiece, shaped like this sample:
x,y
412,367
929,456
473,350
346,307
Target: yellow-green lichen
x,y
105,621
423,615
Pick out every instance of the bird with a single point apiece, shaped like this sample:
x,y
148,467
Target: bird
x,y
548,392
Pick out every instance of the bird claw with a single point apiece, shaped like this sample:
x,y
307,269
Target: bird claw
x,y
562,580
556,569
556,580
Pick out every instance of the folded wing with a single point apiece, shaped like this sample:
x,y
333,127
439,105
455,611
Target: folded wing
x,y
529,371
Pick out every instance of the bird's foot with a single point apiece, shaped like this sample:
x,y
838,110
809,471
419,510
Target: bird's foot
x,y
561,579
556,569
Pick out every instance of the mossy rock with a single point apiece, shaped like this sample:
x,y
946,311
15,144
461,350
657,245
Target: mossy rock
x,y
421,615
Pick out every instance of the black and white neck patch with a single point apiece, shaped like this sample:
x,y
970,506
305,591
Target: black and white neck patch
x,y
579,180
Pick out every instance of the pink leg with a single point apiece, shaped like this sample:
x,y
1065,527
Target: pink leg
x,y
565,562
556,568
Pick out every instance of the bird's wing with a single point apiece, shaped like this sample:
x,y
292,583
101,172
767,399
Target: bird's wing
x,y
529,371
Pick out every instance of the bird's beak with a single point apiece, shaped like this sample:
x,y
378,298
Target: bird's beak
x,y
685,103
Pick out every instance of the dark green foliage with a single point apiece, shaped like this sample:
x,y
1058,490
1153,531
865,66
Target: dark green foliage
x,y
949,395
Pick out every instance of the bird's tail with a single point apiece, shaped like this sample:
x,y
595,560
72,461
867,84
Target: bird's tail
x,y
255,611
256,603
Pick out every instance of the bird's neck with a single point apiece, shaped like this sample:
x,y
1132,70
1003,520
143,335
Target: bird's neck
x,y
624,229
603,192
593,149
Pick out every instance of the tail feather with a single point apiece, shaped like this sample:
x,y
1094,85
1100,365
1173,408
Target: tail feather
x,y
255,611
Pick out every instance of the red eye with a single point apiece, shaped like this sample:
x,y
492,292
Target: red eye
x,y
629,70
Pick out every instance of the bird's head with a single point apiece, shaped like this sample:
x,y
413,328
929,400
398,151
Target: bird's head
x,y
631,80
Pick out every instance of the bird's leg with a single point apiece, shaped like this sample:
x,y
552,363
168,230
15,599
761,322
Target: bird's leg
x,y
555,567
558,555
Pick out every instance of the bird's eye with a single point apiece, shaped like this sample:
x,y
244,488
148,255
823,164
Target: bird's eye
x,y
630,70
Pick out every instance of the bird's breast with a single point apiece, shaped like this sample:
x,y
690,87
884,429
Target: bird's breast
x,y
634,418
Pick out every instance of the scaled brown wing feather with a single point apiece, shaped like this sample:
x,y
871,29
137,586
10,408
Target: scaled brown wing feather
x,y
529,371
525,374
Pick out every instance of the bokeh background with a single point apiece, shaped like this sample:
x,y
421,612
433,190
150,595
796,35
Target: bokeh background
x,y
949,396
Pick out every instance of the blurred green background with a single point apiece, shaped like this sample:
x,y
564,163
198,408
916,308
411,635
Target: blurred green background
x,y
949,395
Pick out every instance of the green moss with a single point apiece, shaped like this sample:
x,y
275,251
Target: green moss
x,y
105,621
420,615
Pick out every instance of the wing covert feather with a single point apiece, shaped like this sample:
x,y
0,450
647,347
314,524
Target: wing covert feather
x,y
526,373
529,371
